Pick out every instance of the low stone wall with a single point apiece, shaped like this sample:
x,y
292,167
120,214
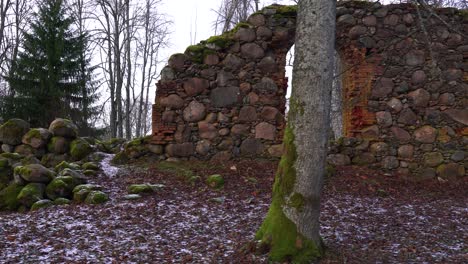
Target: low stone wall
x,y
404,91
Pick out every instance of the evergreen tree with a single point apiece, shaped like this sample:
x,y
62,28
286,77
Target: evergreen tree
x,y
52,77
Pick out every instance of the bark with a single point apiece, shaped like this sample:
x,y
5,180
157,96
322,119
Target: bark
x,y
291,227
128,130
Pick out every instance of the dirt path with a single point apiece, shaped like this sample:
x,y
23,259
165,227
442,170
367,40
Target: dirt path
x,y
363,221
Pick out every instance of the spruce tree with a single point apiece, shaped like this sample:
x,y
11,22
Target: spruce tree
x,y
52,77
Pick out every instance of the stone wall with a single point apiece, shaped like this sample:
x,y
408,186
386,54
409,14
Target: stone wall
x,y
404,91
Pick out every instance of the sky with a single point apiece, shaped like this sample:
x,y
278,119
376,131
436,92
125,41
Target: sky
x,y
193,22
194,16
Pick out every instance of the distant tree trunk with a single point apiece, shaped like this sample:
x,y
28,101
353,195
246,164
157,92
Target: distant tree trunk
x,y
128,129
291,227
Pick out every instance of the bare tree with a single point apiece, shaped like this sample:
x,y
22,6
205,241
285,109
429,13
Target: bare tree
x,y
291,228
154,37
231,12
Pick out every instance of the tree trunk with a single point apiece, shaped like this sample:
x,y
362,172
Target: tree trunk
x,y
128,130
291,227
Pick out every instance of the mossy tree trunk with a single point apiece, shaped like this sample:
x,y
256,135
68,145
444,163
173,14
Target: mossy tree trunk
x,y
291,228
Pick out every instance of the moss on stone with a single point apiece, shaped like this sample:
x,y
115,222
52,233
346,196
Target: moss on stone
x,y
144,188
96,197
8,197
215,181
120,158
22,171
239,26
4,163
80,148
222,41
277,231
32,133
90,166
60,187
62,201
197,53
31,193
65,165
41,204
12,156
288,11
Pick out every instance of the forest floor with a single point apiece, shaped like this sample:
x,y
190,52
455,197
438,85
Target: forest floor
x,y
366,217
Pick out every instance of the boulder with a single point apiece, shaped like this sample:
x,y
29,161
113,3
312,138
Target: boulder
x,y
268,65
31,193
276,150
245,34
338,159
248,114
13,130
58,145
180,150
433,159
266,85
80,192
172,101
400,134
61,186
364,158
269,113
79,149
195,86
252,51
406,151
425,134
63,128
65,165
420,97
37,137
96,197
207,130
252,147
62,201
459,115
451,171
142,189
239,130
224,96
384,118
194,112
265,130
203,147
390,163
45,203
25,150
8,197
35,173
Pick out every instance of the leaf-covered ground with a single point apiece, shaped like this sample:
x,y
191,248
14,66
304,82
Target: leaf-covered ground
x,y
366,218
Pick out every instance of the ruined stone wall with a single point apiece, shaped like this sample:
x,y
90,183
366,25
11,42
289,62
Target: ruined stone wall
x,y
404,100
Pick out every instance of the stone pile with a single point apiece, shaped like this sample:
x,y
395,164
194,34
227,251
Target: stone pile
x,y
34,166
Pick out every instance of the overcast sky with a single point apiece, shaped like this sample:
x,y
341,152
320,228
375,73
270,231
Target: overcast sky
x,y
190,16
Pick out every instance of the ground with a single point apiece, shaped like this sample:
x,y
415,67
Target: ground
x,y
367,217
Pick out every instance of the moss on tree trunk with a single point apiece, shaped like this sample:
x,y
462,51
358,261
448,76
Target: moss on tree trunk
x,y
278,232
